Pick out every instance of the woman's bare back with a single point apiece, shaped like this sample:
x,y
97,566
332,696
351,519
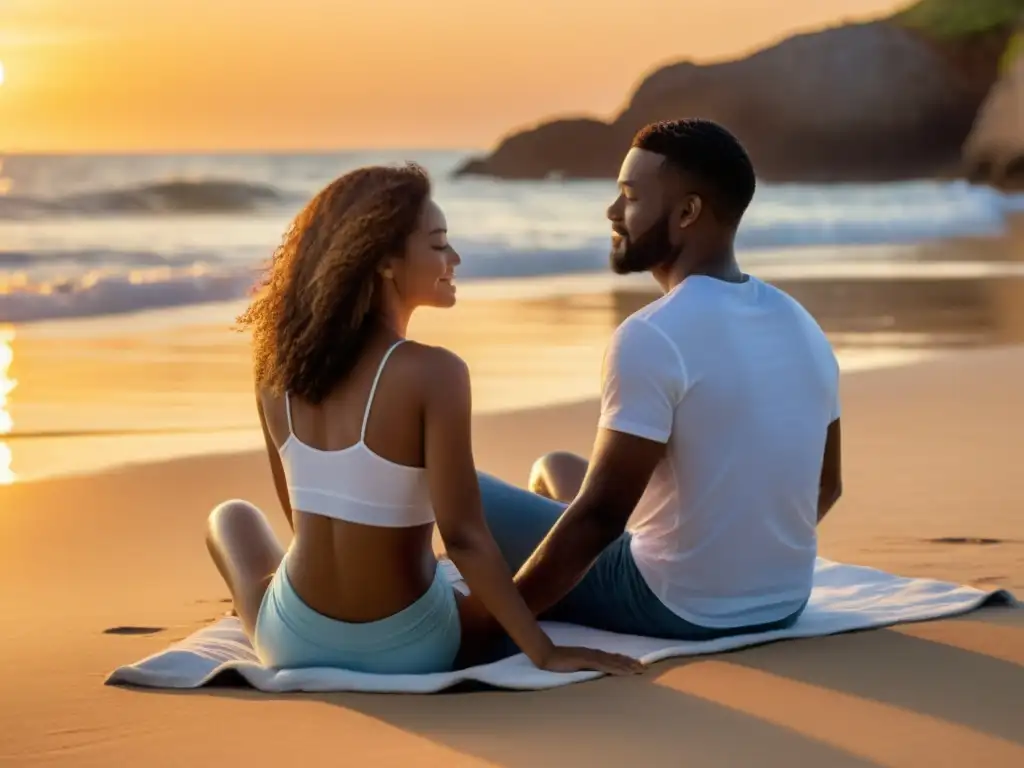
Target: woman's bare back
x,y
350,571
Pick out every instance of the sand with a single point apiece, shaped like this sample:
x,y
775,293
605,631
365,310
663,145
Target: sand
x,y
102,569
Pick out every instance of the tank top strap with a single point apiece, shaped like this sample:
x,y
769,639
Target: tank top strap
x,y
373,388
288,410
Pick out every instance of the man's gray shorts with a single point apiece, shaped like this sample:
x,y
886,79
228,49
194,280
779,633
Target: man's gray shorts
x,y
613,595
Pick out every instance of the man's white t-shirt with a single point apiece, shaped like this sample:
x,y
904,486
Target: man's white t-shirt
x,y
741,384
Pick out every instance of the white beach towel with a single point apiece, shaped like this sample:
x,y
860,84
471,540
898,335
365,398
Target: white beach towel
x,y
845,598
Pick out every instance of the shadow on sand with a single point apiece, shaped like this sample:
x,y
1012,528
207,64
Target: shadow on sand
x,y
858,699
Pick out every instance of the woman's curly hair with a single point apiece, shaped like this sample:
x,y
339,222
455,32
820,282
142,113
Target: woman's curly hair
x,y
316,305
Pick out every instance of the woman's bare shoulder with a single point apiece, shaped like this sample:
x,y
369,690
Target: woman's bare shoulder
x,y
428,359
433,368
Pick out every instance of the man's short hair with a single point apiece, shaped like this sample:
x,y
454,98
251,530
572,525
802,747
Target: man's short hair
x,y
709,153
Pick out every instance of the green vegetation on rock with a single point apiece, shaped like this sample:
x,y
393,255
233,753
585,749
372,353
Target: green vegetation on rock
x,y
954,19
1013,51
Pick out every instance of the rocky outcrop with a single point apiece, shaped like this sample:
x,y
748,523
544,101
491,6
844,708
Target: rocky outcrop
x,y
871,102
576,148
994,151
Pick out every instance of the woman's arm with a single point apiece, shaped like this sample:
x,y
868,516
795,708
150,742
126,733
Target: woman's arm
x,y
280,484
455,493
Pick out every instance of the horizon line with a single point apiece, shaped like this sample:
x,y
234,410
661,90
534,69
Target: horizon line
x,y
291,151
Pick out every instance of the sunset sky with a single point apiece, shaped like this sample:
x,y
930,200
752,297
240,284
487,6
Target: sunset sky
x,y
250,74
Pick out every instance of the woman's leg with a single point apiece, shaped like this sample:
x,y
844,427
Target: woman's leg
x,y
247,554
558,475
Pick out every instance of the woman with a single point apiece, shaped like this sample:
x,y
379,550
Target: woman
x,y
369,443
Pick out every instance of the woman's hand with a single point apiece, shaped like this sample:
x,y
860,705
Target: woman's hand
x,y
480,629
563,658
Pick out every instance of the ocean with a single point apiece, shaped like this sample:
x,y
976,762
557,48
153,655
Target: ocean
x,y
120,277
87,236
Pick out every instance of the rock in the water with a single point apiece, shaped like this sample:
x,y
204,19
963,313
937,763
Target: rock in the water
x,y
870,102
994,152
574,148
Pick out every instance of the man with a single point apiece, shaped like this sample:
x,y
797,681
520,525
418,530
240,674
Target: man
x,y
719,433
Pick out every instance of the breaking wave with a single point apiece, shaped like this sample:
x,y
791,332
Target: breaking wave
x,y
102,293
159,198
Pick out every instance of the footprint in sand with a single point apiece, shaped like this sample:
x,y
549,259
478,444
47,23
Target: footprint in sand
x,y
990,579
966,540
222,601
133,630
232,614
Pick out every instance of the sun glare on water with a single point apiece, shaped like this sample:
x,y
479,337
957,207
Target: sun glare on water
x,y
7,384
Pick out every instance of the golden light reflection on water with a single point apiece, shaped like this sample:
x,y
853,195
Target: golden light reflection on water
x,y
7,385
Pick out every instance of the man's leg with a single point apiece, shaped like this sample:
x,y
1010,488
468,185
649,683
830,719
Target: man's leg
x,y
608,596
558,475
612,595
519,519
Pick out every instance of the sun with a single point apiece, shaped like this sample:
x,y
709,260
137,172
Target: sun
x,y
1,73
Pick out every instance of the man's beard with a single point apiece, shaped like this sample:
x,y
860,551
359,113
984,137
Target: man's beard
x,y
652,249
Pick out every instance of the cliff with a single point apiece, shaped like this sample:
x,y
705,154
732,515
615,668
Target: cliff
x,y
884,100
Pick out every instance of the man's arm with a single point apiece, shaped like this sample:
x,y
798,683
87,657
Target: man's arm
x,y
831,485
644,380
620,468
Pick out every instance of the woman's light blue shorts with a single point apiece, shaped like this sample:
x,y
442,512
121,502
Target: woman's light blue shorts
x,y
419,639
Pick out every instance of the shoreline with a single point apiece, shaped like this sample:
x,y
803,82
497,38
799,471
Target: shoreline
x,y
559,413
115,449
84,395
53,454
926,259
940,257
